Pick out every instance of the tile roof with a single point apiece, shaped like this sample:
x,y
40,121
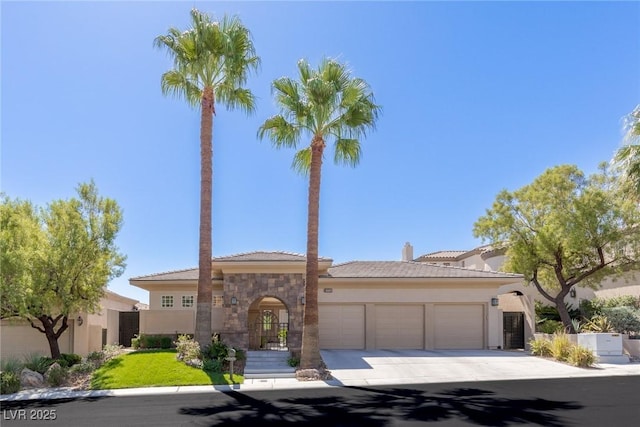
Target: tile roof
x,y
266,256
442,254
409,269
187,274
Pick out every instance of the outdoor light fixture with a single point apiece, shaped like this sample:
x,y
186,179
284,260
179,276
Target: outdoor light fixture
x,y
494,302
572,293
302,300
234,300
80,320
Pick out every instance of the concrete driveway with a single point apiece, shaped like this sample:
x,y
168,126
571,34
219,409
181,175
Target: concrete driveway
x,y
383,367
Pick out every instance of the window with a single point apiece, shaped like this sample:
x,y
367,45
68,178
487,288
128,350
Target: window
x,y
217,300
167,301
187,300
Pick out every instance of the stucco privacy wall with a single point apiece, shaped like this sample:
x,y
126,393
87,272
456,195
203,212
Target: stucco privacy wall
x,y
249,287
19,339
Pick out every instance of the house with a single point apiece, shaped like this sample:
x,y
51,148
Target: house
x,y
87,332
258,302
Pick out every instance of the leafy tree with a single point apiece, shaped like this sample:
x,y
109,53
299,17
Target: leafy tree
x,y
211,61
628,156
565,230
56,261
324,103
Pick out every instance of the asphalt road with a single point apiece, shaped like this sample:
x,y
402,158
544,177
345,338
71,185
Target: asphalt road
x,y
598,401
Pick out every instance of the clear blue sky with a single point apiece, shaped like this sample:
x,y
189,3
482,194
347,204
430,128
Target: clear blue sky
x,y
477,97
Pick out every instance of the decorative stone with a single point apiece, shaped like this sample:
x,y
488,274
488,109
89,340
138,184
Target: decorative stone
x,y
313,374
31,379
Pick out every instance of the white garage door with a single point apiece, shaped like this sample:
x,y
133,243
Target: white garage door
x,y
341,326
399,326
459,326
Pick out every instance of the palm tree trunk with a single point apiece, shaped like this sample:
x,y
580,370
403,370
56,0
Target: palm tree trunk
x,y
310,357
203,307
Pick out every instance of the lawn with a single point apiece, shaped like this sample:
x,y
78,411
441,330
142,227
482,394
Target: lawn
x,y
153,368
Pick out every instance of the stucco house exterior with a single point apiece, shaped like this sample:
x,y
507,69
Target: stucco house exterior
x,y
258,302
87,332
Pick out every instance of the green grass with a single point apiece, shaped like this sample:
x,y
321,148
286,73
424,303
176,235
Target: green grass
x,y
153,368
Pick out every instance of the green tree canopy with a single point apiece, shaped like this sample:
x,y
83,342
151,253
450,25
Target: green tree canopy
x,y
627,158
56,261
565,230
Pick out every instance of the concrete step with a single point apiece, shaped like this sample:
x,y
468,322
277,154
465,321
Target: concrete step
x,y
268,364
269,376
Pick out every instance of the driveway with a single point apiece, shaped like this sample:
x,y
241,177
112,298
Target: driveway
x,y
383,367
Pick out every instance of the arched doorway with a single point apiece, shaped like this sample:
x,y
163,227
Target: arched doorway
x,y
268,324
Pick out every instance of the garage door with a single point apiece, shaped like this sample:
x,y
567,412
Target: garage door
x,y
341,326
399,326
459,326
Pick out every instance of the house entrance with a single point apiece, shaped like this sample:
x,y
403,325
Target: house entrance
x,y
268,324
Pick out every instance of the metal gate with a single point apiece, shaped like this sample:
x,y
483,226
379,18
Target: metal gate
x,y
268,333
513,325
129,327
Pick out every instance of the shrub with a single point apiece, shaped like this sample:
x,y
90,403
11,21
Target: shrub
x,y
560,347
625,319
9,382
590,308
82,368
188,349
549,326
165,342
68,360
135,342
37,362
95,358
109,351
56,375
294,362
11,365
581,356
216,351
212,365
598,323
539,347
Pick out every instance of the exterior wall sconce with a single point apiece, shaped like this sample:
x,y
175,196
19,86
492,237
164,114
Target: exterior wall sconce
x,y
80,320
494,302
234,301
572,293
302,300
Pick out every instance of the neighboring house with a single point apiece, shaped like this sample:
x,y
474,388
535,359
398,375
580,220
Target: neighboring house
x,y
258,302
518,297
87,332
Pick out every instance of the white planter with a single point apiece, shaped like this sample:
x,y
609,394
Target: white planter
x,y
606,346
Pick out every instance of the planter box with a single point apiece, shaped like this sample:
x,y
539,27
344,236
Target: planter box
x,y
606,346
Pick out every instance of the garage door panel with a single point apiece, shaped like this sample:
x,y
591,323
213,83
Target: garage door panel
x,y
399,326
459,326
341,326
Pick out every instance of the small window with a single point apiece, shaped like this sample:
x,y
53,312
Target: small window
x,y
167,301
217,300
187,300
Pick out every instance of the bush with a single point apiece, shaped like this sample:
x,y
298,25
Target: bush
x,y
135,342
165,342
68,360
37,362
56,375
560,347
95,358
188,349
590,308
294,362
550,326
581,357
216,351
9,382
598,323
82,368
539,347
212,365
109,351
625,319
11,365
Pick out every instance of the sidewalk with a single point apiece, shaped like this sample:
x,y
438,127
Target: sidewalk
x,y
358,368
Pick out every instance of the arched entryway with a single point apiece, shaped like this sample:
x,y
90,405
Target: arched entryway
x,y
268,324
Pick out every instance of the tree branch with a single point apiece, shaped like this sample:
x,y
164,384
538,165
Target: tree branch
x,y
538,286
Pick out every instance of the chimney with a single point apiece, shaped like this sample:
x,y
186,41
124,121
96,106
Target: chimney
x,y
407,252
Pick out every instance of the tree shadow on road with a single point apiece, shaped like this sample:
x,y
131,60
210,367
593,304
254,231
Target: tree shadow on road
x,y
357,406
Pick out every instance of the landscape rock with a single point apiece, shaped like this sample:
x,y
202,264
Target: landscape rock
x,y
313,374
31,379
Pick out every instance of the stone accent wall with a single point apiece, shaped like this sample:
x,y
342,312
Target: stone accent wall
x,y
249,287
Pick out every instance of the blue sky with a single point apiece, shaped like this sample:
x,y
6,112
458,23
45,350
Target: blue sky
x,y
476,97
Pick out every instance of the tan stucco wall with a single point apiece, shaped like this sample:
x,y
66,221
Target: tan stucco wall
x,y
18,338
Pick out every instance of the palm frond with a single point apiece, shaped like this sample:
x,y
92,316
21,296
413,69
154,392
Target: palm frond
x,y
281,132
178,85
302,161
347,152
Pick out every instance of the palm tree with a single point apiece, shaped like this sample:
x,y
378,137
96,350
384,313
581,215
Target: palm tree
x,y
325,103
211,61
628,156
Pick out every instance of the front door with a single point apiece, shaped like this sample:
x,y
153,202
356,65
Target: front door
x,y
129,326
513,325
271,332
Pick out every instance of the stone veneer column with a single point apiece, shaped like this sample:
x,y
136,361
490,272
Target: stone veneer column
x,y
249,287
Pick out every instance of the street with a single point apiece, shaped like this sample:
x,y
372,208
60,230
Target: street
x,y
596,401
